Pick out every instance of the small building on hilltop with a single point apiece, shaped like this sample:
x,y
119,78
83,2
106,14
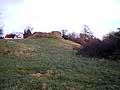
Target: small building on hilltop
x,y
9,36
17,35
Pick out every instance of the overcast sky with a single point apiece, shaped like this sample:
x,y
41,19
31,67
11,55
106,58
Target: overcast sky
x,y
102,16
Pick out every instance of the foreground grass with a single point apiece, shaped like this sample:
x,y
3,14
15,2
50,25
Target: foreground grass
x,y
66,70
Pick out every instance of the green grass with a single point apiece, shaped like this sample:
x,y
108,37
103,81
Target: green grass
x,y
47,54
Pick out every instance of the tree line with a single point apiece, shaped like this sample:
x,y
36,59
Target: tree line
x,y
91,46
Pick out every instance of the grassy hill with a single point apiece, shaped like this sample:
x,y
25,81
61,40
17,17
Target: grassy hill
x,y
57,67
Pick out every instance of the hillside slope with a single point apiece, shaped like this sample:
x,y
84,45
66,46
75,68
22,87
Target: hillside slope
x,y
51,64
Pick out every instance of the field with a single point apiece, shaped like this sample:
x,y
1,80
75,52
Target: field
x,y
57,67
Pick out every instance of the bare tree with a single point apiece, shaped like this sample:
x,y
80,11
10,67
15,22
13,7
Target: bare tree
x,y
28,31
72,36
64,34
1,31
1,27
86,32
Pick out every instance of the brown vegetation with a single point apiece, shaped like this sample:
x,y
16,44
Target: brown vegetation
x,y
15,49
54,34
67,44
108,48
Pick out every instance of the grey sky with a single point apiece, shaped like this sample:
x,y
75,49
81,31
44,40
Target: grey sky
x,y
102,16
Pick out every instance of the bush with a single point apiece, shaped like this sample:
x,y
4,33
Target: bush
x,y
109,47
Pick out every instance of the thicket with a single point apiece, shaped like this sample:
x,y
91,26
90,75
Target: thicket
x,y
108,47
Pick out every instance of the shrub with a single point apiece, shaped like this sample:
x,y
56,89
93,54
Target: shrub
x,y
109,47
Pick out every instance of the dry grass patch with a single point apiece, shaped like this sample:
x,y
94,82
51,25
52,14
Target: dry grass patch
x,y
48,73
67,44
15,49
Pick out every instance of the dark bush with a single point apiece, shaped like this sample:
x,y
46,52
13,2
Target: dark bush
x,y
1,37
109,47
